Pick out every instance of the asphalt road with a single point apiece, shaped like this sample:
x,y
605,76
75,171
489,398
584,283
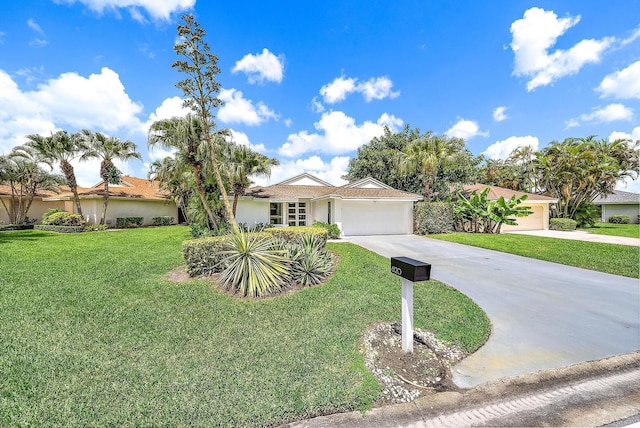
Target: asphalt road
x,y
544,315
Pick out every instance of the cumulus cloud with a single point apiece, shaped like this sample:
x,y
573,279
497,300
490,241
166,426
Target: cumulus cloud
x,y
610,113
336,134
499,114
330,171
622,84
502,149
466,129
157,9
536,33
243,139
376,88
261,67
170,107
633,135
237,109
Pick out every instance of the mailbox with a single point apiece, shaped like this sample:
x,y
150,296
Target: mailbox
x,y
413,270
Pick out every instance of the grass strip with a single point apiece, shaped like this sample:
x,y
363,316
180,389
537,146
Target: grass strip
x,y
611,229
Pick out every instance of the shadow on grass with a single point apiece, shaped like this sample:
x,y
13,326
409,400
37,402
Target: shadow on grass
x,y
23,235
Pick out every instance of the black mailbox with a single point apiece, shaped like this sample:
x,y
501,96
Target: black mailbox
x,y
410,269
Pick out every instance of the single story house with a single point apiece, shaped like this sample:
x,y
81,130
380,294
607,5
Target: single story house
x,y
39,205
133,197
619,202
539,204
363,207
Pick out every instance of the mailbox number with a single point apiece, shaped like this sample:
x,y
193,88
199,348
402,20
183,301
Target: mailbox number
x,y
396,270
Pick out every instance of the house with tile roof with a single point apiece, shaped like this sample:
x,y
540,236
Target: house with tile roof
x,y
620,203
363,207
133,197
539,204
38,207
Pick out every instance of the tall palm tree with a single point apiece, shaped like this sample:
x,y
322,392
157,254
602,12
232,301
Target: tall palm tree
x,y
108,149
186,136
61,147
243,163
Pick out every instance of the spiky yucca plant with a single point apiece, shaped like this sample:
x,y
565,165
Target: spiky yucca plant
x,y
311,263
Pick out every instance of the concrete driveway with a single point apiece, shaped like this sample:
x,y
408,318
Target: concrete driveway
x,y
544,315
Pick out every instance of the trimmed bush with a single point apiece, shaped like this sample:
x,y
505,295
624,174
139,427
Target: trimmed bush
x,y
58,228
63,218
619,219
562,224
291,234
165,220
433,218
332,229
125,222
8,227
204,256
49,213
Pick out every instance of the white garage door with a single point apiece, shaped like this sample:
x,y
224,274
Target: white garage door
x,y
531,222
376,218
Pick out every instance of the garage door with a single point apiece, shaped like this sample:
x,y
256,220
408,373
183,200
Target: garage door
x,y
531,222
376,218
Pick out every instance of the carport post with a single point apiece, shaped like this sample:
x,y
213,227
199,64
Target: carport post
x,y
407,315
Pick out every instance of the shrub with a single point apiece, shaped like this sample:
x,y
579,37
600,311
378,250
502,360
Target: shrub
x,y
59,228
619,219
586,215
199,230
254,266
433,218
333,231
292,234
204,256
95,227
258,227
8,227
311,263
165,220
125,222
562,224
50,212
63,218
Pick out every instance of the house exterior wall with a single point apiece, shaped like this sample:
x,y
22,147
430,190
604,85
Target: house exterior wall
x,y
319,210
539,220
252,212
36,211
148,209
632,210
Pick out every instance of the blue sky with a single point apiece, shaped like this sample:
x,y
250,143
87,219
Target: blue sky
x,y
310,83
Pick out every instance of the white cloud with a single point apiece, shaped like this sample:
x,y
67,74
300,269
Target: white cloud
x,y
535,34
622,84
170,107
634,135
158,9
499,114
330,171
466,129
38,43
632,37
261,67
502,149
376,88
288,122
316,106
34,26
337,134
237,109
610,113
243,139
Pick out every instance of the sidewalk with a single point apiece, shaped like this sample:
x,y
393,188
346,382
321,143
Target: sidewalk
x,y
580,235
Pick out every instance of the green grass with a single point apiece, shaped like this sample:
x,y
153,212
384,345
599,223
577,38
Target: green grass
x,y
94,334
609,258
611,229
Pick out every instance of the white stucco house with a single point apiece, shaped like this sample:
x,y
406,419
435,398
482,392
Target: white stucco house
x,y
621,203
363,207
539,204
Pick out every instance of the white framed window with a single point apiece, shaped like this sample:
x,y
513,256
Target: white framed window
x,y
275,213
297,213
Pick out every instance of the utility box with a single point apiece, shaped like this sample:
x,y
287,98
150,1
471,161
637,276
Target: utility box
x,y
413,270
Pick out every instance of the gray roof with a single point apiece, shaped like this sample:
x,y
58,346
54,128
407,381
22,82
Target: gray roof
x,y
618,197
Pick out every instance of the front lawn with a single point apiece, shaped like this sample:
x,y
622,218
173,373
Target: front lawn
x,y
611,229
93,333
610,258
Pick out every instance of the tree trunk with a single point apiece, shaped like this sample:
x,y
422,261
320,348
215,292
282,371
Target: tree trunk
x,y
105,202
203,196
67,170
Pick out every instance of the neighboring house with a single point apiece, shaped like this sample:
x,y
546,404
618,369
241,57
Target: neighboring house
x,y
39,206
364,207
133,197
539,204
619,202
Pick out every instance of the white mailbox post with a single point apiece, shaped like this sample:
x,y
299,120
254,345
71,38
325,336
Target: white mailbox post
x,y
410,271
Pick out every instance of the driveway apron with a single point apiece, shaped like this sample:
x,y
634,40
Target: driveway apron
x,y
544,315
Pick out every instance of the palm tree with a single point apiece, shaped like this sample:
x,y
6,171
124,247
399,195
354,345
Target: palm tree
x,y
61,147
242,163
186,135
175,178
108,149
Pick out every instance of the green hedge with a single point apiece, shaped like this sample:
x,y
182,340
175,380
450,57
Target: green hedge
x,y
291,233
619,219
8,227
165,220
562,224
59,229
433,218
333,231
62,218
204,256
124,222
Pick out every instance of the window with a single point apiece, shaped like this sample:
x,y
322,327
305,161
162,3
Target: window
x,y
275,213
297,213
329,212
